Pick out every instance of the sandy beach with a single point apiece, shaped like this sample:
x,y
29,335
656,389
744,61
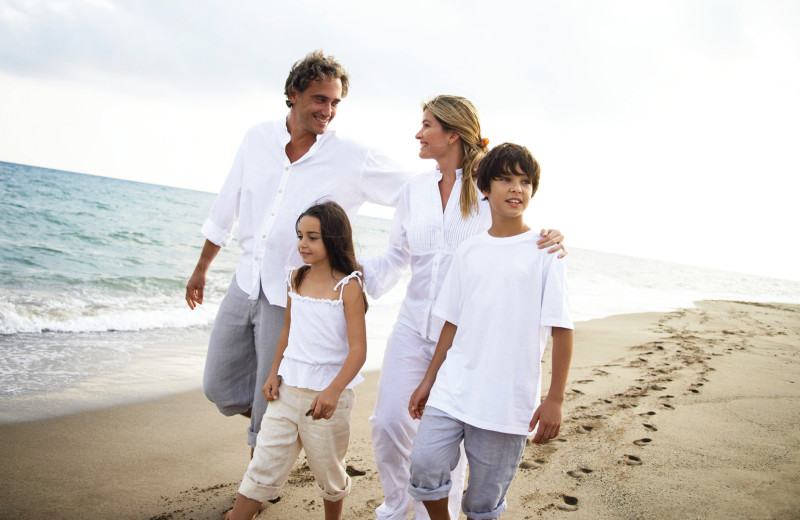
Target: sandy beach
x,y
687,414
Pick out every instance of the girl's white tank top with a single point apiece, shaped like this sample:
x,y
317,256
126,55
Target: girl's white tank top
x,y
318,342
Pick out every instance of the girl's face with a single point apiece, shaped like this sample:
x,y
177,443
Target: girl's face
x,y
309,241
434,141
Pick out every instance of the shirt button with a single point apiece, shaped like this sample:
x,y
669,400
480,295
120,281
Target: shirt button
x,y
273,214
287,168
280,191
263,236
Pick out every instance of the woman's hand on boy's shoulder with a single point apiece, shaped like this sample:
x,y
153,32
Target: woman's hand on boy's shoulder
x,y
553,239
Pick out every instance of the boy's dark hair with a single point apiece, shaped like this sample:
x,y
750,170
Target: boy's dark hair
x,y
315,66
337,237
508,158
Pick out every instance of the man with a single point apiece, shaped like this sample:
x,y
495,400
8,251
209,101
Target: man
x,y
282,167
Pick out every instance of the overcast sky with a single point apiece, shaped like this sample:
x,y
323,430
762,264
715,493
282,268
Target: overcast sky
x,y
664,129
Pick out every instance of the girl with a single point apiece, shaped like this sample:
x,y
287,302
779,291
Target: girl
x,y
319,353
436,212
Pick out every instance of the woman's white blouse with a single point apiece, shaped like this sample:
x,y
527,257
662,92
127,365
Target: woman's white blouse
x,y
423,237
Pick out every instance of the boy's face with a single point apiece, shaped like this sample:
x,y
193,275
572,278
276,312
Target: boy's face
x,y
509,194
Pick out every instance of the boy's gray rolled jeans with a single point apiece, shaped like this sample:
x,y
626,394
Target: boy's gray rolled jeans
x,y
240,353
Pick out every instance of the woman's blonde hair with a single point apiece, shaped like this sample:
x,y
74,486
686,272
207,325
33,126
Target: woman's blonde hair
x,y
458,114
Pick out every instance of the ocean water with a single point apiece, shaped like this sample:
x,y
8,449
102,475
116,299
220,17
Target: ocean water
x,y
92,277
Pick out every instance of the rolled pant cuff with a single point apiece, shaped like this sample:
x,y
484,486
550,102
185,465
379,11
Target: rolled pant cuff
x,y
260,492
495,513
334,497
428,495
251,437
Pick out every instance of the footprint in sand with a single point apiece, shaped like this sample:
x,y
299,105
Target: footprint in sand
x,y
585,429
633,460
570,503
374,503
647,413
694,390
353,472
531,465
650,427
667,406
579,473
642,442
583,381
575,390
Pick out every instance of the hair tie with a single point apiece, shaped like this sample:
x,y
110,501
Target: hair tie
x,y
483,143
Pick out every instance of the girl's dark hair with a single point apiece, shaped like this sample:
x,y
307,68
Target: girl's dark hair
x,y
337,237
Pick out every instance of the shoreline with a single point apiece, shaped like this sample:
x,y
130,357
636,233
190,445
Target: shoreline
x,y
695,408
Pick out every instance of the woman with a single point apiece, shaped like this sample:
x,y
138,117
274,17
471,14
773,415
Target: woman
x,y
436,212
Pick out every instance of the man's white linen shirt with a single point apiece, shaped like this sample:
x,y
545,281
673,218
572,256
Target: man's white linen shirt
x,y
504,294
424,237
265,193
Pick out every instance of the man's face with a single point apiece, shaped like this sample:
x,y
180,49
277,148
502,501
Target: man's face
x,y
315,107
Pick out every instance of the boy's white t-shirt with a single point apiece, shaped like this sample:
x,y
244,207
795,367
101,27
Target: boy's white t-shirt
x,y
504,295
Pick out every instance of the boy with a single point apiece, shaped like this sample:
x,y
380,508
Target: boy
x,y
501,297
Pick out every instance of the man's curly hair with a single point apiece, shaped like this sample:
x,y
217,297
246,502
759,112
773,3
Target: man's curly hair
x,y
315,66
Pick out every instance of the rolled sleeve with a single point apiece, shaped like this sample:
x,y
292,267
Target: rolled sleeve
x,y
216,235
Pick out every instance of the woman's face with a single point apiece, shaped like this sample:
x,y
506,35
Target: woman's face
x,y
434,141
